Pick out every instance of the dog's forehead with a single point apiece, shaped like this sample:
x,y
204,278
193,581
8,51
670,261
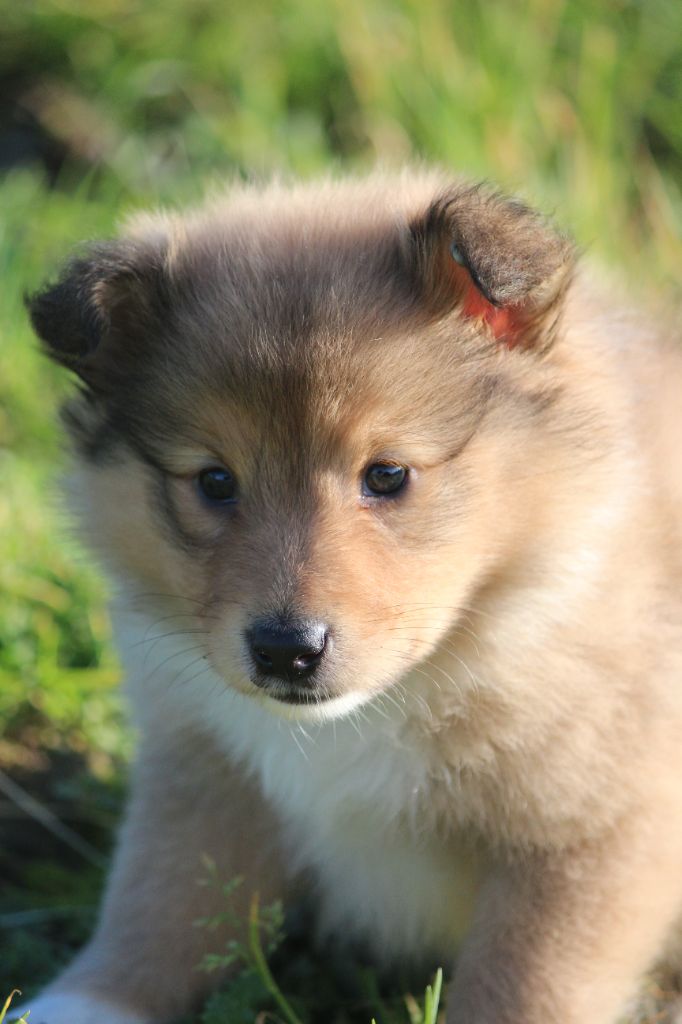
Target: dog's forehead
x,y
303,328
267,310
268,286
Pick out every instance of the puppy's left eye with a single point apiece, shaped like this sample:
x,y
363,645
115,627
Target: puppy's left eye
x,y
384,478
217,484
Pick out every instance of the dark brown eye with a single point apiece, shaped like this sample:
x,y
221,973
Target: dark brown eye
x,y
217,485
384,478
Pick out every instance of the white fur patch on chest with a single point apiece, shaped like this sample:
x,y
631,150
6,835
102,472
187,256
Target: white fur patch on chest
x,y
359,798
355,798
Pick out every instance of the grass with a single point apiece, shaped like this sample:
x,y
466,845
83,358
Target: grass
x,y
7,1005
576,104
305,998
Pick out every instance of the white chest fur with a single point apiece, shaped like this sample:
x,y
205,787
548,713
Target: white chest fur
x,y
360,797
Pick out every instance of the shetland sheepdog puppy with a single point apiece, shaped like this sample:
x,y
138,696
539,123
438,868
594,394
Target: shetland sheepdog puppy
x,y
391,495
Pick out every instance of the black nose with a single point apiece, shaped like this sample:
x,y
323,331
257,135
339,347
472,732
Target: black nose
x,y
289,650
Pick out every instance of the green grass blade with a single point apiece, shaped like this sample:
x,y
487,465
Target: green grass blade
x,y
261,963
10,997
432,998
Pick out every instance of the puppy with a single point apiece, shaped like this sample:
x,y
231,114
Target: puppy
x,y
392,498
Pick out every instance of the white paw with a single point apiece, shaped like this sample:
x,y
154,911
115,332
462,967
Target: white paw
x,y
74,1008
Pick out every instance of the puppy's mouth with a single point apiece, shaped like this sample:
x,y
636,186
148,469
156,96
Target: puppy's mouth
x,y
313,703
293,693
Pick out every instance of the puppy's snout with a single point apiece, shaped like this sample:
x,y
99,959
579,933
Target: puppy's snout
x,y
289,650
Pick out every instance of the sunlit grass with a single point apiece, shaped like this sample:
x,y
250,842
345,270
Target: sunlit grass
x,y
6,1008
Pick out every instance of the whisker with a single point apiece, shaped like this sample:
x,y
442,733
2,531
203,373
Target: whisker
x,y
204,668
169,618
352,719
298,744
164,636
185,668
386,695
301,727
377,704
177,654
144,594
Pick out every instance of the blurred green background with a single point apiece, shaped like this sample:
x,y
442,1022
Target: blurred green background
x,y
111,105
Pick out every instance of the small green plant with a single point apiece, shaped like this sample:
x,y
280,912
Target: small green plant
x,y
264,933
3,1012
261,935
429,1014
267,920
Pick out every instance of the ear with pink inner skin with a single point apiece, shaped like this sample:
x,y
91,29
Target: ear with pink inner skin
x,y
497,262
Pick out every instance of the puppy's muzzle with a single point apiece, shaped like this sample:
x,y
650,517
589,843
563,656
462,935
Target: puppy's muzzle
x,y
287,650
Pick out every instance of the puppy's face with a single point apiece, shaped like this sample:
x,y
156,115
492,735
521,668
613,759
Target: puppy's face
x,y
305,419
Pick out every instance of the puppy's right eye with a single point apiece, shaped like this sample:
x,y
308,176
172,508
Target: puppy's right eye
x,y
383,479
217,485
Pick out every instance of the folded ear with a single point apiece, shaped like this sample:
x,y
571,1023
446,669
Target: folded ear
x,y
497,261
112,287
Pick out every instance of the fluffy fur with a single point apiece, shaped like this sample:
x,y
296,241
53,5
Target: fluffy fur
x,y
491,744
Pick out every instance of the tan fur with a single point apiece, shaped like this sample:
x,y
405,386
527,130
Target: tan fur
x,y
523,596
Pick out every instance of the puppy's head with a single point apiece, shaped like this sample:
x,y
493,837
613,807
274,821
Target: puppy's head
x,y
306,413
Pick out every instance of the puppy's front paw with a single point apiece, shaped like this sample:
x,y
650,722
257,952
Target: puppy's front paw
x,y
75,1008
